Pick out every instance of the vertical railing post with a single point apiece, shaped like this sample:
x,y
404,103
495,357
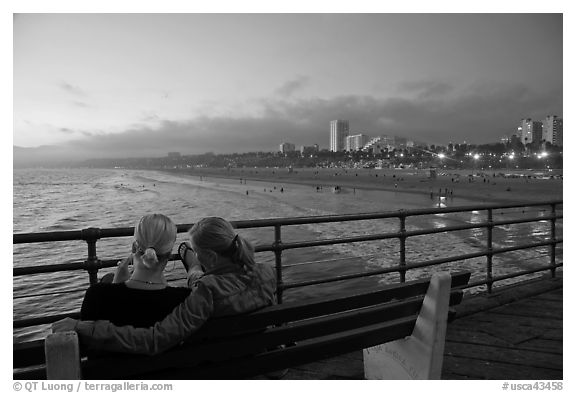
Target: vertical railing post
x,y
402,236
489,228
553,239
278,256
92,264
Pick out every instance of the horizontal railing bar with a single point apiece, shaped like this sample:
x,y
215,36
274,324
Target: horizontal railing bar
x,y
21,271
452,228
103,233
270,222
22,323
501,250
357,239
395,269
102,264
525,220
60,267
511,275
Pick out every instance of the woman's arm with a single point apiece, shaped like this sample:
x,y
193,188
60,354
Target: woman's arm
x,y
184,320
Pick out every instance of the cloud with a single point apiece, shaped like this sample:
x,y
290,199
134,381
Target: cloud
x,y
66,130
80,104
480,114
290,87
149,116
426,89
71,88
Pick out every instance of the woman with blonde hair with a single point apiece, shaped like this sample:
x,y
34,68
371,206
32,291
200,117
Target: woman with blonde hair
x,y
232,283
143,297
216,245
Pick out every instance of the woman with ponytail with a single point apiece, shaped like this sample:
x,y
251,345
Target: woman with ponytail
x,y
143,297
231,282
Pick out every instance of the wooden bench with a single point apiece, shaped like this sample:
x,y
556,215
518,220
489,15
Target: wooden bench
x,y
401,329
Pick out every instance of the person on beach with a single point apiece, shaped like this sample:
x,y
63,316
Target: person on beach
x,y
232,284
150,298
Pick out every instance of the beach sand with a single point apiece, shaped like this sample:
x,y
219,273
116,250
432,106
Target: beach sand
x,y
475,186
279,193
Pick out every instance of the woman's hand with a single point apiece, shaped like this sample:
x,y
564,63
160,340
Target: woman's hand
x,y
195,273
122,272
64,325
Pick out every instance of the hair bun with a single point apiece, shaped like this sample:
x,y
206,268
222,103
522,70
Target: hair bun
x,y
150,258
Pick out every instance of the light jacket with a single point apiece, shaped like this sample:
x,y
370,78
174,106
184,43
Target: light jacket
x,y
227,291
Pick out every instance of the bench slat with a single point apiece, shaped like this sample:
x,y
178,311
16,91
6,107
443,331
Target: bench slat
x,y
328,305
312,350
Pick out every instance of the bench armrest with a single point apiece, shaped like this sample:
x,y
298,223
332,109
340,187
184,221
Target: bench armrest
x,y
62,356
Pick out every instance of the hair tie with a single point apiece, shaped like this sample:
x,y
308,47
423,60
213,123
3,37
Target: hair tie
x,y
232,248
150,257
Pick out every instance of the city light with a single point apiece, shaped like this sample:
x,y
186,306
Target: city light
x,y
544,154
476,156
441,155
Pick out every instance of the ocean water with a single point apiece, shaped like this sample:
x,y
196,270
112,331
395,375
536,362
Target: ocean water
x,y
59,200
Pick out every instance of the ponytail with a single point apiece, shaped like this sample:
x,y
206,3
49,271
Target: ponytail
x,y
150,259
219,236
244,255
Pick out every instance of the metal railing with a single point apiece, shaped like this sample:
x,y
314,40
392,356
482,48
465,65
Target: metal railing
x,y
93,264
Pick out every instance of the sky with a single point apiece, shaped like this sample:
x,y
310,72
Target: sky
x,y
128,85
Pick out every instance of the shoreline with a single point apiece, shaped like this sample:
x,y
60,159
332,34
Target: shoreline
x,y
461,183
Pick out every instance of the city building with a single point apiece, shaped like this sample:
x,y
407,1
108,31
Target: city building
x,y
385,142
338,132
552,130
286,147
530,131
356,142
309,150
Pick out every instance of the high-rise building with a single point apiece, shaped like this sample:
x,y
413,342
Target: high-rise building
x,y
286,147
356,142
552,130
338,132
309,150
530,131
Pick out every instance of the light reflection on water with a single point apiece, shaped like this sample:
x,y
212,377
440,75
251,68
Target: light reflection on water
x,y
80,199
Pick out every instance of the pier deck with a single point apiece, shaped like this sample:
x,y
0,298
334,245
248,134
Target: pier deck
x,y
515,333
